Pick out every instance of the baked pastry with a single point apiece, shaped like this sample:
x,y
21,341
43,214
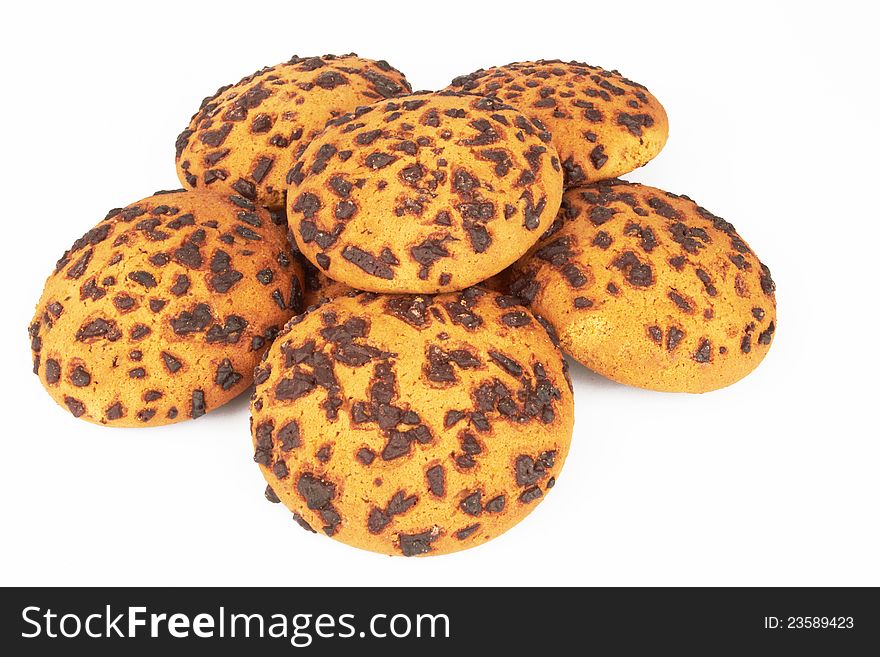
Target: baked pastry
x,y
245,137
430,193
412,424
161,312
649,289
603,124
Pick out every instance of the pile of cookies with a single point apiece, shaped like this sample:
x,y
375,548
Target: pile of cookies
x,y
399,274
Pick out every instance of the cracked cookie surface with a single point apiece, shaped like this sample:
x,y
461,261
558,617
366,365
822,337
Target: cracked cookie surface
x,y
603,124
411,424
649,289
161,312
423,194
245,137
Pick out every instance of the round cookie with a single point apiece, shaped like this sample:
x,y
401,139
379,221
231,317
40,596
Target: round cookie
x,y
412,424
650,289
161,312
603,124
245,137
430,193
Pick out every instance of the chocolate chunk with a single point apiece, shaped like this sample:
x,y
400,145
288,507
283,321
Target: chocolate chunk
x,y
635,122
378,160
270,495
506,363
280,469
261,123
123,302
98,328
367,262
197,408
436,477
368,137
599,214
527,471
365,455
415,544
302,523
677,262
115,411
598,157
80,377
330,80
194,321
472,504
673,337
411,309
171,363
428,252
703,354
452,418
636,272
478,236
680,301
602,240
75,406
188,255
226,377
464,532
496,504
289,437
377,520
318,495
767,284
766,336
80,266
398,445
53,371
530,495
308,204
299,385
516,319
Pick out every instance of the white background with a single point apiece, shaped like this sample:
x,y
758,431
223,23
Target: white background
x,y
774,481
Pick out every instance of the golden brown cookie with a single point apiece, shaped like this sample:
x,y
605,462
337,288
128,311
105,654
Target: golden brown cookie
x,y
603,124
412,424
245,137
650,289
430,193
161,312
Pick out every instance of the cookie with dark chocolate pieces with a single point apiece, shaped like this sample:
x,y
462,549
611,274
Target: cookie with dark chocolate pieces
x,y
603,124
424,425
244,139
161,312
650,289
423,194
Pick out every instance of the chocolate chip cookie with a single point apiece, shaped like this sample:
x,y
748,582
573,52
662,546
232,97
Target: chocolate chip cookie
x,y
161,312
650,289
603,124
245,137
412,424
428,193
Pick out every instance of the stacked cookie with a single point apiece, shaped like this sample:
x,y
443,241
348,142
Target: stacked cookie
x,y
399,274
